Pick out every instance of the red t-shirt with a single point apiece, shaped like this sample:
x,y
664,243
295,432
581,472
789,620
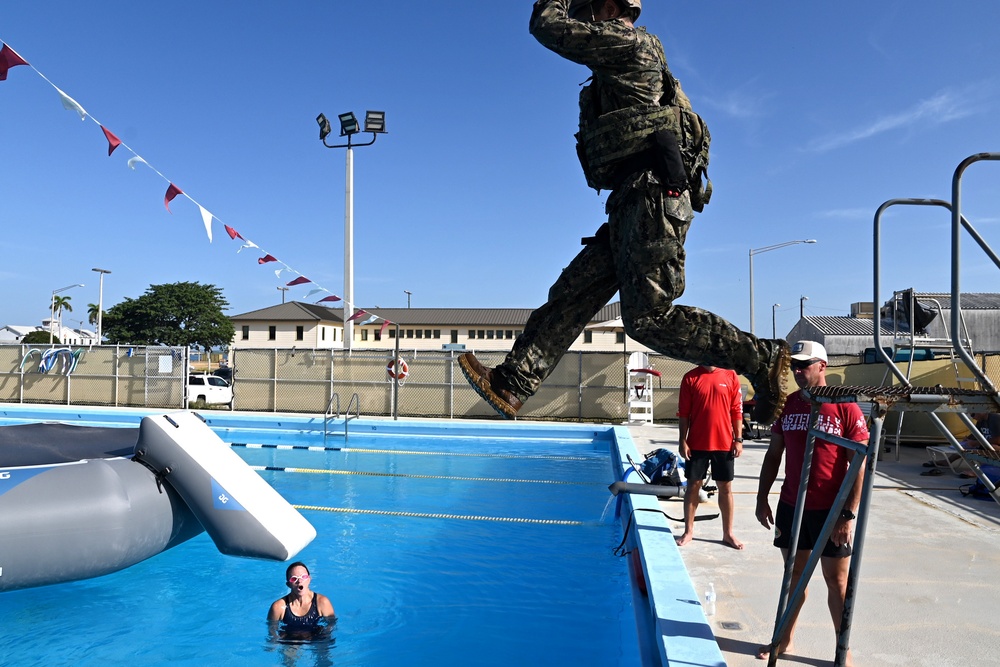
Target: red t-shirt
x,y
711,401
830,462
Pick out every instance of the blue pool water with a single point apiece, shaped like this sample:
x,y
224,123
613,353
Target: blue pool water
x,y
444,549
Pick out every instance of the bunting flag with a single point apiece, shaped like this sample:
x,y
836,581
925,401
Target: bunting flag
x,y
206,217
8,59
172,192
385,325
113,142
69,104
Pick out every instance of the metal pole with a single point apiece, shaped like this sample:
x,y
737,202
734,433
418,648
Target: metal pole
x,y
395,393
774,320
100,305
349,253
751,291
802,306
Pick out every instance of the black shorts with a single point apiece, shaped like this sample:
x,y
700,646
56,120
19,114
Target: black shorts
x,y
812,526
723,466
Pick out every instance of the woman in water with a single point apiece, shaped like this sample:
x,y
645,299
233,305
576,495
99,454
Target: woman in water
x,y
301,611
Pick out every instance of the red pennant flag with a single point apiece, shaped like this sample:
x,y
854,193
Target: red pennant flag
x,y
8,59
332,297
172,192
233,234
357,315
113,141
385,325
301,280
267,258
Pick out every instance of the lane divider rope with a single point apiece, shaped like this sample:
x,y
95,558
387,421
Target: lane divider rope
x,y
422,515
324,471
410,452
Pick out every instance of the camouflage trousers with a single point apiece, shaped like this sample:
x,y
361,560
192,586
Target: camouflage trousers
x,y
643,259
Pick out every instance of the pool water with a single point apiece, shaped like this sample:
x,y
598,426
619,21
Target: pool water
x,y
434,551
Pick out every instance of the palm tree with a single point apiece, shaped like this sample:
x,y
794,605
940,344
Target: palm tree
x,y
59,304
92,309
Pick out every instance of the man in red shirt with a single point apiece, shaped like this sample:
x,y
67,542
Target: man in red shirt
x,y
711,431
826,475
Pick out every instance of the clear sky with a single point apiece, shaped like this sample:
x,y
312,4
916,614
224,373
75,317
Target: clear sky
x,y
819,112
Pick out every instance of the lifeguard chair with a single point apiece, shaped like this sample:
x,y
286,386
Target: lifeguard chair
x,y
640,388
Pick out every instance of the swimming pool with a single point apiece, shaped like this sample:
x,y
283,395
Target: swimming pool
x,y
439,542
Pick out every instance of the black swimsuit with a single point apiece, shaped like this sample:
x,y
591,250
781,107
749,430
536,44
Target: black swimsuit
x,y
301,624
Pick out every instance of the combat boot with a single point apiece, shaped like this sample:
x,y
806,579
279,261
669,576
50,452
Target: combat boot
x,y
769,382
484,382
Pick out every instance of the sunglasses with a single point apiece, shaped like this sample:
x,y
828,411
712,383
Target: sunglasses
x,y
297,579
798,365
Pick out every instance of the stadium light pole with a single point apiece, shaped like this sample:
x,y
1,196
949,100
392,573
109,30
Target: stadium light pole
x,y
100,304
52,308
802,306
757,251
774,320
283,290
375,125
408,295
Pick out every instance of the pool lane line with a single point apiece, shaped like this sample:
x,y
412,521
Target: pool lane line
x,y
422,515
357,450
325,471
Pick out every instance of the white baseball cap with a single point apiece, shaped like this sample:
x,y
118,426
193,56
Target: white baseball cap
x,y
804,350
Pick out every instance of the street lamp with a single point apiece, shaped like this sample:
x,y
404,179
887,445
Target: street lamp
x,y
757,251
100,304
283,290
52,308
774,320
375,125
408,295
802,306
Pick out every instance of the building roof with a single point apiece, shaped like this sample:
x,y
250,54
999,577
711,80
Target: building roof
x,y
846,326
970,300
298,311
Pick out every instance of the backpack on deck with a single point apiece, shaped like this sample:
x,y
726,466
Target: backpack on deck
x,y
663,467
978,490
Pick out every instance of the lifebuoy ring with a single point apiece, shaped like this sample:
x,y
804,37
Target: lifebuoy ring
x,y
397,369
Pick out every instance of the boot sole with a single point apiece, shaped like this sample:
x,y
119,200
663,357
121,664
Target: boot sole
x,y
502,407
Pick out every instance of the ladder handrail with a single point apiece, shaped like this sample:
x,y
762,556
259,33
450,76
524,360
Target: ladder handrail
x,y
329,415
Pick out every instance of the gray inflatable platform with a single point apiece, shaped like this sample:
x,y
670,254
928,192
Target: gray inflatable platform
x,y
74,504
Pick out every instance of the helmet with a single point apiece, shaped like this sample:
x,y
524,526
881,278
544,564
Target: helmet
x,y
634,7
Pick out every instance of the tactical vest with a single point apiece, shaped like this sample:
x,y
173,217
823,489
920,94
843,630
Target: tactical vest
x,y
611,146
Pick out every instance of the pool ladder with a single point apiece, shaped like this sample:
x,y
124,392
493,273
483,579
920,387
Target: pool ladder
x,y
331,415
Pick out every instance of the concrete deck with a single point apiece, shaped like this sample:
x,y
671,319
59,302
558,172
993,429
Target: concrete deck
x,y
929,593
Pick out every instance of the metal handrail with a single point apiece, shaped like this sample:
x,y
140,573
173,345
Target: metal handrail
x,y
329,415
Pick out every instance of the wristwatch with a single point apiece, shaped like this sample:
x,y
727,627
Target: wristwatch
x,y
847,515
737,439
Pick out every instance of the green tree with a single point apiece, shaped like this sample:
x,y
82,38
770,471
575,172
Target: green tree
x,y
38,338
92,309
176,314
61,303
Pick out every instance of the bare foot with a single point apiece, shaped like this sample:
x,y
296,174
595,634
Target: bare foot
x,y
732,542
764,651
684,539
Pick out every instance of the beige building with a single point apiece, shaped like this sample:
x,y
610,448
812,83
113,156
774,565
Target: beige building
x,y
309,326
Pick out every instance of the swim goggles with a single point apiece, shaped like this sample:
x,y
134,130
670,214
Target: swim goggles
x,y
297,579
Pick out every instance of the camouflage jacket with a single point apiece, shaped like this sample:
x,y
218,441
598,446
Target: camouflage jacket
x,y
628,65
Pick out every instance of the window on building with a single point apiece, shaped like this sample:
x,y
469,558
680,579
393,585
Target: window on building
x,y
272,332
246,332
509,334
454,336
480,334
489,334
472,334
420,333
437,333
364,334
378,334
620,337
409,333
322,333
300,332
588,336
392,333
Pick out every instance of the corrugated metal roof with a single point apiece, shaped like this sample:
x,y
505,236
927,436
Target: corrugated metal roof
x,y
298,311
845,326
970,300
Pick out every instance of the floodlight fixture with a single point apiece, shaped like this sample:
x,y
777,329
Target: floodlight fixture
x,y
348,124
375,122
324,126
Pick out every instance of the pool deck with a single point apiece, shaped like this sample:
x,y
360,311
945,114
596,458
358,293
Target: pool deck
x,y
929,582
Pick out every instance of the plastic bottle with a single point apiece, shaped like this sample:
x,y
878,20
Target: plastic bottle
x,y
710,600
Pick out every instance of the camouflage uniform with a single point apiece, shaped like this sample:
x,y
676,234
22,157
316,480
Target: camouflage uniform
x,y
642,256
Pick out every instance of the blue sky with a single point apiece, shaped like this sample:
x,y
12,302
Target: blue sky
x,y
819,112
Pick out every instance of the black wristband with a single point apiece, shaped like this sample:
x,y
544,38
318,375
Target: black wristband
x,y
847,515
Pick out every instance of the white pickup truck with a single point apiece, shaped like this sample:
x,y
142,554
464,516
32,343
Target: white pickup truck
x,y
209,389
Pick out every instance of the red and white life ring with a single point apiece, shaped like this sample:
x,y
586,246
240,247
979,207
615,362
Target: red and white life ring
x,y
397,369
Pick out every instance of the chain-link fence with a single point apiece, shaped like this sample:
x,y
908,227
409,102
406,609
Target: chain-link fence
x,y
152,377
585,386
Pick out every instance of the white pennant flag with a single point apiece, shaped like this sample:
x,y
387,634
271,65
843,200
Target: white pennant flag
x,y
70,104
249,244
134,161
315,291
206,217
